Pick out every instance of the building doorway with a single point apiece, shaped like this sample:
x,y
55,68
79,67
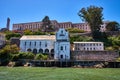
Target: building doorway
x,y
40,50
61,56
46,50
35,51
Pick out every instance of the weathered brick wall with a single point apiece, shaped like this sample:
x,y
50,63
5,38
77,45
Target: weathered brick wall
x,y
94,55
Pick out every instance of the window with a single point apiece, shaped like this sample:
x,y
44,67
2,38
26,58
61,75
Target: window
x,y
97,44
61,56
84,44
84,48
35,43
25,43
90,44
87,44
61,48
30,43
62,31
81,44
87,48
90,48
40,43
45,44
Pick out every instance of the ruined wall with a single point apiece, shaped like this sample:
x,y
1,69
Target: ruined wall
x,y
94,55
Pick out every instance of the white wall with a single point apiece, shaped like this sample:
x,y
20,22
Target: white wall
x,y
50,45
88,46
65,52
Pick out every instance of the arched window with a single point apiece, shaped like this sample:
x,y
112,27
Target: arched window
x,y
29,50
40,50
35,51
52,50
46,50
52,53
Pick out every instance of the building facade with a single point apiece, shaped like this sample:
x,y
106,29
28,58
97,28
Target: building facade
x,y
58,46
2,40
88,46
20,27
37,44
62,45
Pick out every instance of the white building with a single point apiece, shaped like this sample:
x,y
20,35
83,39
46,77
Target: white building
x,y
88,46
37,43
62,45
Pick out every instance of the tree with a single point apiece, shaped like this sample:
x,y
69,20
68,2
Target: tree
x,y
75,30
13,49
4,57
79,38
93,16
47,25
112,26
10,34
28,32
8,52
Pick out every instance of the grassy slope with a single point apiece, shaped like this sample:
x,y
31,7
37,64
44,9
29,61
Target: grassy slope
x,y
37,73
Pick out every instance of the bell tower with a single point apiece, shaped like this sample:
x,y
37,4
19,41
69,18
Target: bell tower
x,y
62,45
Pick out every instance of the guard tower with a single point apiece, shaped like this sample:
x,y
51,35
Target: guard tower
x,y
8,23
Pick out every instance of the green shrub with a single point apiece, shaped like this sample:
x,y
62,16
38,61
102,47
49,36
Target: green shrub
x,y
75,30
24,55
4,57
11,34
41,56
79,38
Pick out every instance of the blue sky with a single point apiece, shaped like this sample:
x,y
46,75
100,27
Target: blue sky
x,y
21,11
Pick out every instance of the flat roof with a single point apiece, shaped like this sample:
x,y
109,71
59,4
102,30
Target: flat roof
x,y
87,42
38,37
